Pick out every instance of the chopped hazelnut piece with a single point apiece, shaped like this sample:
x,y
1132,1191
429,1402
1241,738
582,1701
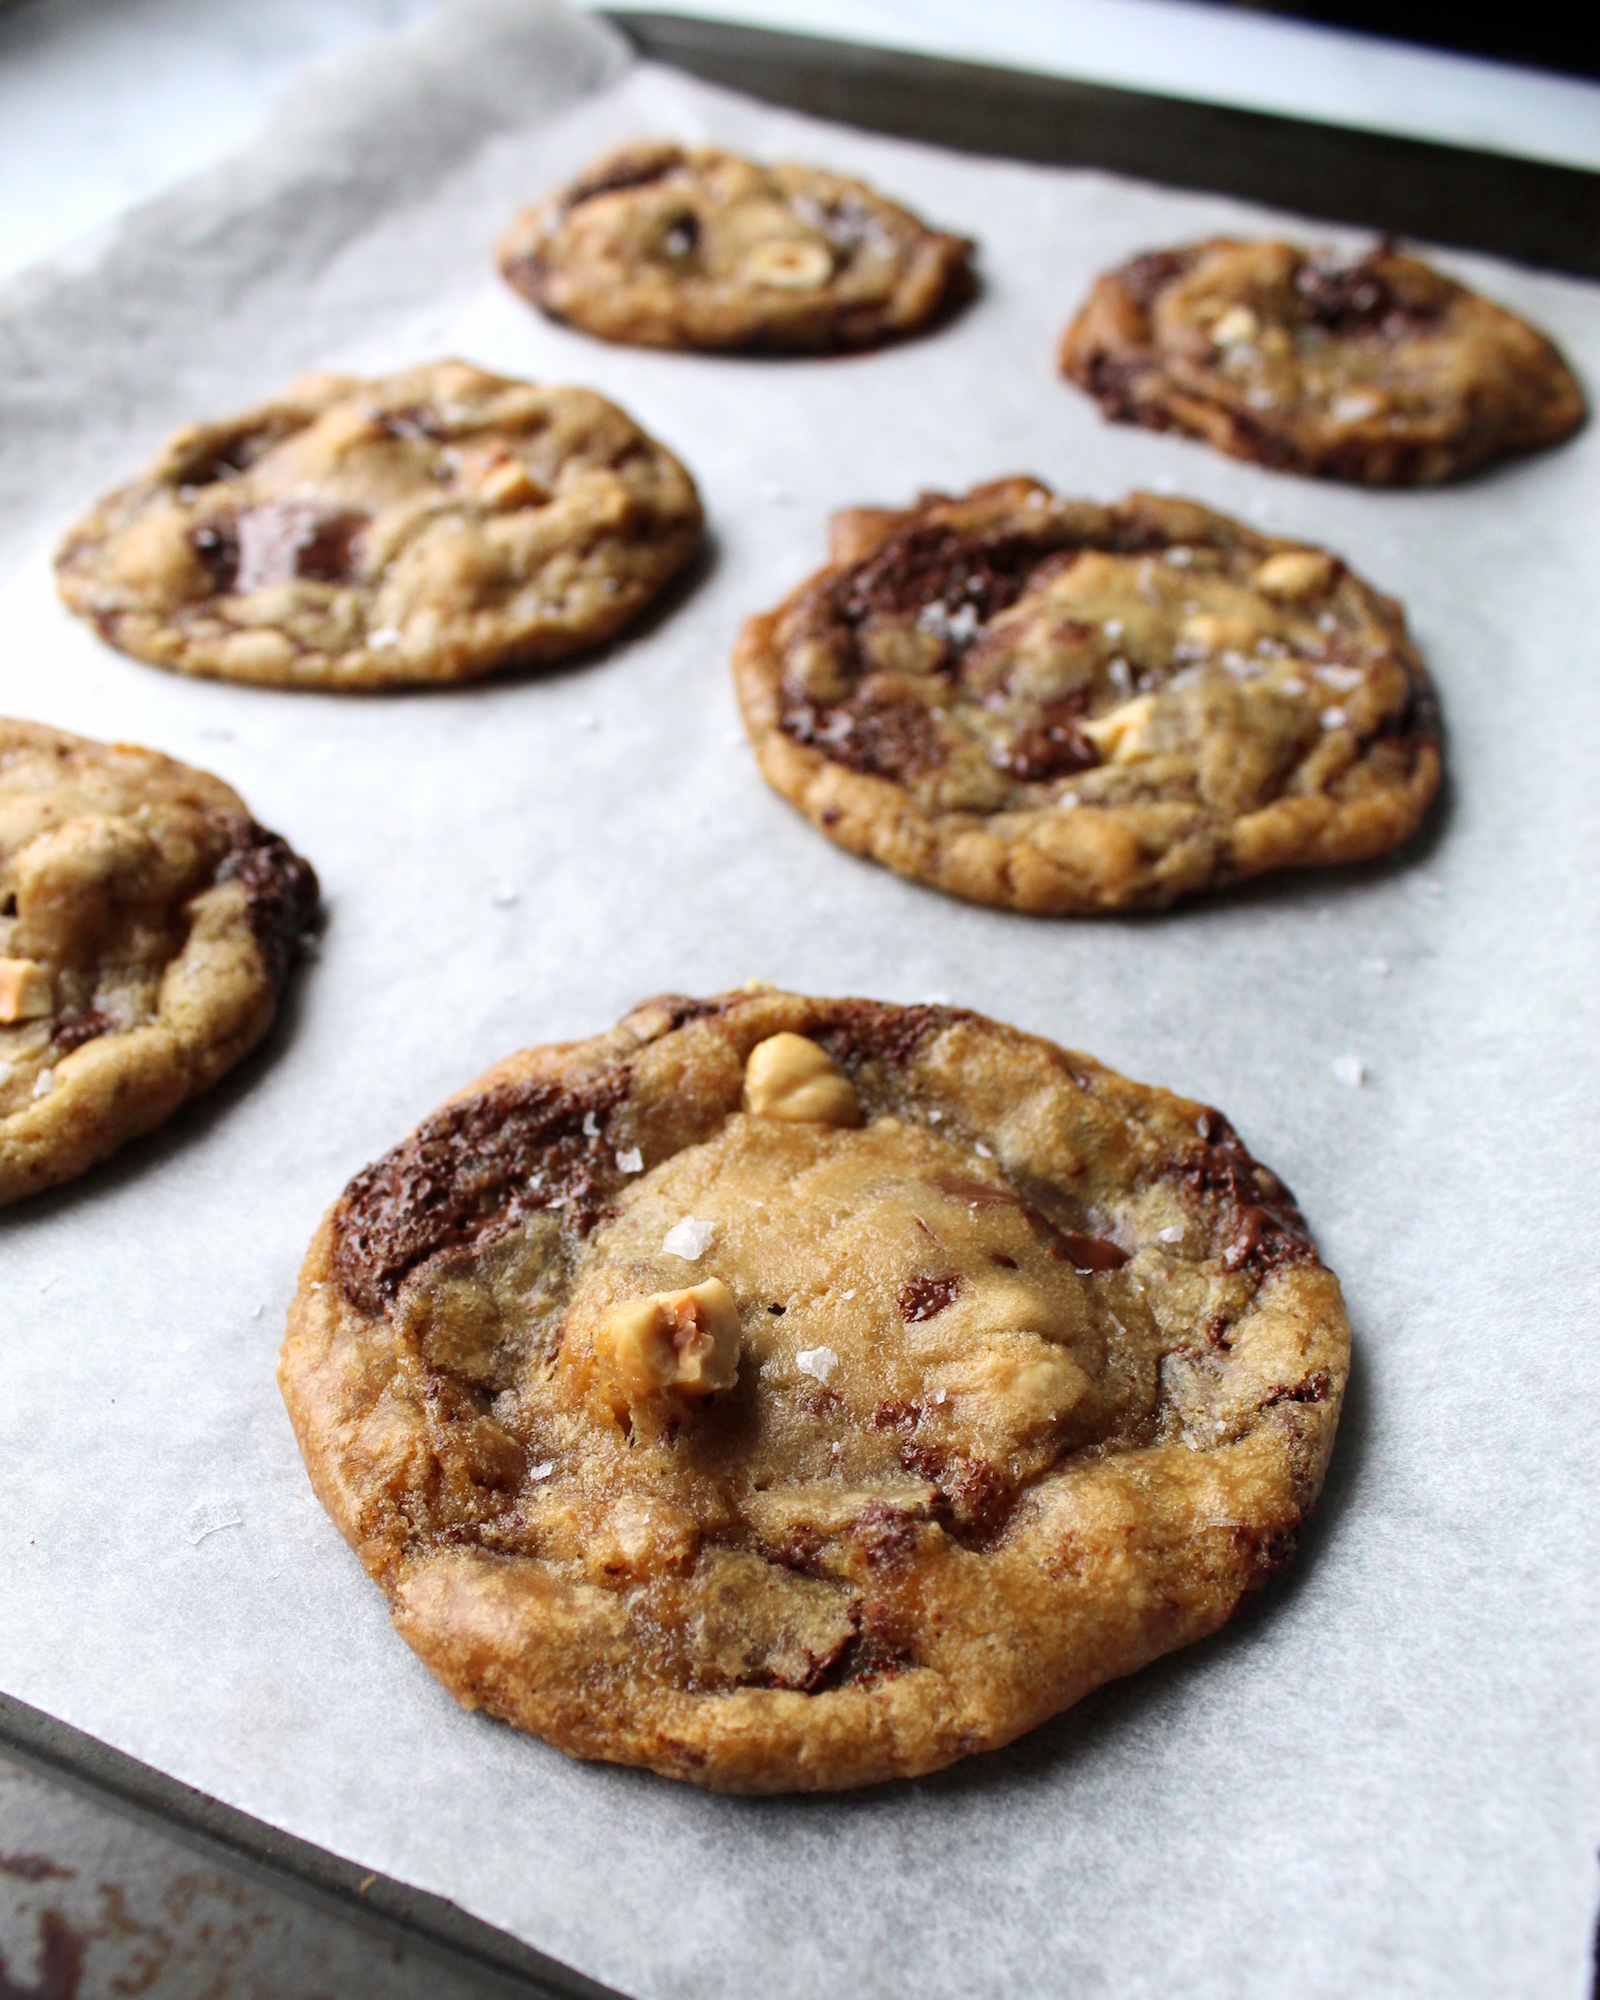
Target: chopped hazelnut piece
x,y
1295,574
1237,325
24,990
788,1076
789,266
1116,735
688,1341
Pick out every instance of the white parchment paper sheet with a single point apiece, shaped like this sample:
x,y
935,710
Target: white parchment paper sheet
x,y
1381,1779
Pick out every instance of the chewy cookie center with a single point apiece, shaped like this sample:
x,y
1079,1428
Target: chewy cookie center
x,y
898,1306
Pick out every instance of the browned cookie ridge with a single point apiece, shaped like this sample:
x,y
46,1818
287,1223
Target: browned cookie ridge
x,y
1378,369
665,246
147,929
1054,706
790,1394
430,527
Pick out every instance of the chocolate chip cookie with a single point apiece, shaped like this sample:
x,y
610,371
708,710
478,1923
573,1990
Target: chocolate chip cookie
x,y
1379,370
662,246
429,527
1054,706
147,928
790,1394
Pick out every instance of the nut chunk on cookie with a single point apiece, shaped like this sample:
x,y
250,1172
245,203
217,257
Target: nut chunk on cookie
x,y
1379,370
147,929
660,246
1053,706
429,527
999,1385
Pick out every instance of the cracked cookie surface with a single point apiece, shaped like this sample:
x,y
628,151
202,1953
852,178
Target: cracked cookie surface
x,y
790,1394
147,929
661,246
429,527
1380,370
1054,706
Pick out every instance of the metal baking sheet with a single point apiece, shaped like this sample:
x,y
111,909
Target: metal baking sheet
x,y
1382,1776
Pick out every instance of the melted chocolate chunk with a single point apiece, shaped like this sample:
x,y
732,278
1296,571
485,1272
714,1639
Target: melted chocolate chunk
x,y
862,1031
887,739
281,889
975,1193
931,563
888,1535
79,1025
683,234
1145,278
925,1297
624,173
216,543
1266,1228
1316,1388
1356,298
1052,747
216,462
282,540
470,1173
1092,1253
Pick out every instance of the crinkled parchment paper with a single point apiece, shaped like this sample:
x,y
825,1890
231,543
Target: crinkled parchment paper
x,y
1381,1779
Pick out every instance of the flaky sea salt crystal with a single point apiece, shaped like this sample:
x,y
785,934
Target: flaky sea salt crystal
x,y
817,1362
982,1150
1173,1233
1180,558
631,1161
385,637
1067,801
1334,718
205,1517
1113,628
6,1073
591,1128
543,1470
689,1239
1342,678
938,1396
1350,1070
44,1083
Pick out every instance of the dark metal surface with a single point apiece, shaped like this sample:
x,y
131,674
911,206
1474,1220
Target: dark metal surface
x,y
1523,209
255,1866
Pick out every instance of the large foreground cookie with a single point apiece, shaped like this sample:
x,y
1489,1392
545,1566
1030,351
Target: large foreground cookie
x,y
147,927
1382,370
664,247
433,526
789,1394
1054,706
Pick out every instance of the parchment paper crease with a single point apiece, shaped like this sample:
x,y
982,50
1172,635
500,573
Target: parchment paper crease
x,y
1382,1778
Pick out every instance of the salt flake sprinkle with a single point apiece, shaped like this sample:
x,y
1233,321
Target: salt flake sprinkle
x,y
689,1239
1173,1233
630,1162
591,1126
44,1083
982,1150
542,1471
817,1362
1350,1070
